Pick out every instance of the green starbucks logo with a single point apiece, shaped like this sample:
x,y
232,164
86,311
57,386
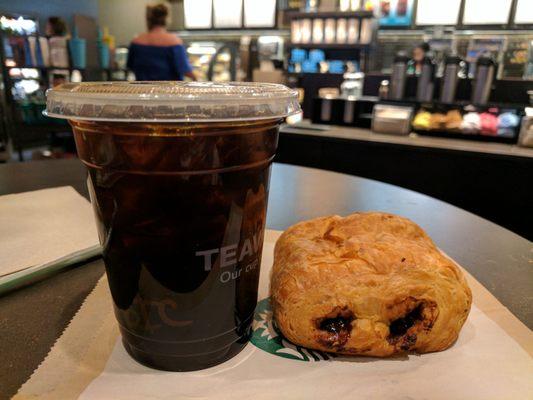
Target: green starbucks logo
x,y
267,337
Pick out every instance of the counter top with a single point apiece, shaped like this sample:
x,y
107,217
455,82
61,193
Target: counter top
x,y
32,318
351,133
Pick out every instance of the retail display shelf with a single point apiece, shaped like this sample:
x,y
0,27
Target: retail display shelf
x,y
330,14
330,46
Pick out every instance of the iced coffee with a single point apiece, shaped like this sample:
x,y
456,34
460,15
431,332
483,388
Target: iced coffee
x,y
178,179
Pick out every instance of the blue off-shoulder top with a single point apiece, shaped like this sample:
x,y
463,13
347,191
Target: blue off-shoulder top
x,y
158,63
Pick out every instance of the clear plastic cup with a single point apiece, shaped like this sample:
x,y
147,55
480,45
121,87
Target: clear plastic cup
x,y
178,178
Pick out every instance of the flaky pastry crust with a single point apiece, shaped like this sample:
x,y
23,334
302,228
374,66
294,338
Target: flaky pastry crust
x,y
371,284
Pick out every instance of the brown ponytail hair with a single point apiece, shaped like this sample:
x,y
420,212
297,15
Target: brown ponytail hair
x,y
156,15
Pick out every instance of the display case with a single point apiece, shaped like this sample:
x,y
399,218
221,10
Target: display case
x,y
215,61
489,123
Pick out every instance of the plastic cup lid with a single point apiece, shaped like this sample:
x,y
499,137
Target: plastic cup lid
x,y
171,101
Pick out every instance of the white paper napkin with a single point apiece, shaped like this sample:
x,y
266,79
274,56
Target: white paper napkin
x,y
42,227
90,363
485,363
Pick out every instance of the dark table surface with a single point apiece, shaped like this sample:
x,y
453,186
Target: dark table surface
x,y
32,318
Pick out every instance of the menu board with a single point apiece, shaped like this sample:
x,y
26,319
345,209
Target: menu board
x,y
524,12
483,12
227,13
198,14
431,12
259,13
395,12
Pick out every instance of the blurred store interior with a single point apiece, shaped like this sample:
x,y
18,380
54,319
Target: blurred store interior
x,y
431,95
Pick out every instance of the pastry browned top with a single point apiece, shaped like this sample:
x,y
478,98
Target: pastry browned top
x,y
370,284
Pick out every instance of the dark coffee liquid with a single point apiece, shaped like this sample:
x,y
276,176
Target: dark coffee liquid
x,y
181,216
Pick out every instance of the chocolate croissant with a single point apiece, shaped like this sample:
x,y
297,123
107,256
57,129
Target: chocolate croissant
x,y
369,284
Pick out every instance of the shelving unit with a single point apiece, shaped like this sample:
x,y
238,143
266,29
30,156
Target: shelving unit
x,y
357,51
23,122
70,69
330,14
331,46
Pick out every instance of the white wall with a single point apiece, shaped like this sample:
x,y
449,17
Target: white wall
x,y
124,18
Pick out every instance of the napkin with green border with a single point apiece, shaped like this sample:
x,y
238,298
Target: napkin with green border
x,y
43,231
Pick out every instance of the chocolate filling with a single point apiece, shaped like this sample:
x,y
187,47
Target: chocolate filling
x,y
335,325
400,326
335,328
